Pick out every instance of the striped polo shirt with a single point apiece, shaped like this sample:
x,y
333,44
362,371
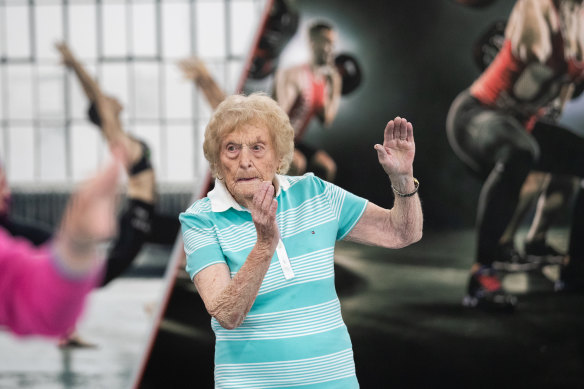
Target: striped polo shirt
x,y
294,335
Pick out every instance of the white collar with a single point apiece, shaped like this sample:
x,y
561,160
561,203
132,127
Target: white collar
x,y
221,199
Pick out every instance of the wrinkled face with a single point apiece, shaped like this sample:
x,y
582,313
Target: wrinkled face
x,y
322,46
247,157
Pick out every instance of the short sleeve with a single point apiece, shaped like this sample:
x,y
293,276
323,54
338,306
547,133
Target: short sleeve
x,y
347,207
201,246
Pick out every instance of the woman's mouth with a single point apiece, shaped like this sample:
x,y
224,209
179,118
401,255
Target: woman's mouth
x,y
246,179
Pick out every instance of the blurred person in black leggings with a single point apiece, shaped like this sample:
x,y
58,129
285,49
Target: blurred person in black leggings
x,y
496,128
139,222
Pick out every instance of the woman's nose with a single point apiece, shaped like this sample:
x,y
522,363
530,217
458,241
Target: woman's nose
x,y
245,155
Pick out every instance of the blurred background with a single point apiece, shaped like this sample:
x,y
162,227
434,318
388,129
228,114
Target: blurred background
x,y
415,57
47,145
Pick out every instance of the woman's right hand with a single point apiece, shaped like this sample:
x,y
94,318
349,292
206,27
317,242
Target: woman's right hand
x,y
263,214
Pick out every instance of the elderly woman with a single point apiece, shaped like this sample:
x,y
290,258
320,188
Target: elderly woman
x,y
260,247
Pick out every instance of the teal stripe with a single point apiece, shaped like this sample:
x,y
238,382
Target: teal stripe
x,y
285,324
270,350
295,296
319,369
307,268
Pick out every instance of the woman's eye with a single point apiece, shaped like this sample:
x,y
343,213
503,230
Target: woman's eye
x,y
231,148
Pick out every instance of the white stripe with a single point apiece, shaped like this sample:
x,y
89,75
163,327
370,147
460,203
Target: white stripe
x,y
294,311
290,317
316,202
196,238
271,380
286,373
318,258
318,264
200,206
234,230
298,280
316,330
337,198
234,238
289,372
295,220
237,237
292,364
308,267
286,324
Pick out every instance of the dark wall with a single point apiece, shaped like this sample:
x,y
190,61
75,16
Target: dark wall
x,y
416,57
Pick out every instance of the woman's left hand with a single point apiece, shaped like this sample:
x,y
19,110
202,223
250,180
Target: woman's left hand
x,y
396,155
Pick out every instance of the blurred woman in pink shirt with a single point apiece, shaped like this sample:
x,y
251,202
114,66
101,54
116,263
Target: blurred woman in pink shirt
x,y
43,289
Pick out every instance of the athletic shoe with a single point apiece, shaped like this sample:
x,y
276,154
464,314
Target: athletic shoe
x,y
485,292
510,260
543,252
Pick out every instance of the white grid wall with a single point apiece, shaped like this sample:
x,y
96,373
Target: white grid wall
x,y
132,47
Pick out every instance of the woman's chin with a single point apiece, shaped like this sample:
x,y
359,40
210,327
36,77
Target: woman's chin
x,y
246,189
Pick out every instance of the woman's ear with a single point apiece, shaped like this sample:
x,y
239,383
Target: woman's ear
x,y
218,172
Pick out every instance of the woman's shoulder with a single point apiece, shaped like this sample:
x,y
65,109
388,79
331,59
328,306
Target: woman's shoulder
x,y
200,207
307,183
303,179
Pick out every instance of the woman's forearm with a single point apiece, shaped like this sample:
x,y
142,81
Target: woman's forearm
x,y
231,305
406,219
89,85
211,90
394,228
